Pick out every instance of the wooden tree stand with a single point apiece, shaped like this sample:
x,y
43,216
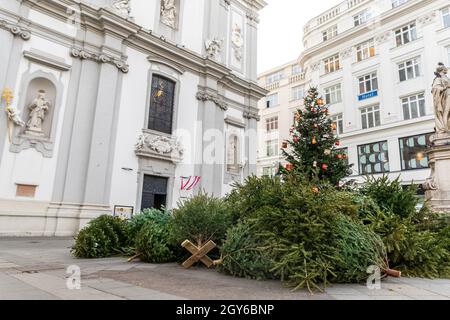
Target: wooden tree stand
x,y
198,253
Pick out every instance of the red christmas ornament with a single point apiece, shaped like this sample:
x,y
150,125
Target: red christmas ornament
x,y
289,166
338,143
339,156
325,166
296,139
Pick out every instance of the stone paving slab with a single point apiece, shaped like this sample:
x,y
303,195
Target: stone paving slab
x,y
35,269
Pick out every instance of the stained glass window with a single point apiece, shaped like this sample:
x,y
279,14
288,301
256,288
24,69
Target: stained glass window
x,y
161,104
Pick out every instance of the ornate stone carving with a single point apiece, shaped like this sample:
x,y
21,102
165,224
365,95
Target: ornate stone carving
x,y
441,99
122,7
383,37
16,30
206,96
12,113
14,116
237,39
38,110
430,183
214,48
315,66
160,147
427,19
347,53
252,16
169,13
101,58
251,115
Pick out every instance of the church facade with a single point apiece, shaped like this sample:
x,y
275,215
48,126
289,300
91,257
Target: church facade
x,y
110,107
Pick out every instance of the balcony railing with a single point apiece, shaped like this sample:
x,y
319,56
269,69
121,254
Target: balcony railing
x,y
297,77
332,13
272,86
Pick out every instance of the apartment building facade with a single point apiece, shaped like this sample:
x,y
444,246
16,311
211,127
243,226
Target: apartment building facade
x,y
374,62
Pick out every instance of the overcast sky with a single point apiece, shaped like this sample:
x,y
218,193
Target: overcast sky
x,y
281,29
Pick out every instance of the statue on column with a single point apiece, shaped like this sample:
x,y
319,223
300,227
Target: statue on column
x,y
38,110
441,85
437,186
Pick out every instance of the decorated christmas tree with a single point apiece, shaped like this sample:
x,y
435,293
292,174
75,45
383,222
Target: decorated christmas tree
x,y
314,148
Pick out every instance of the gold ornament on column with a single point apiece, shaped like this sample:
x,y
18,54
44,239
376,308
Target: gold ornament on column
x,y
13,114
7,96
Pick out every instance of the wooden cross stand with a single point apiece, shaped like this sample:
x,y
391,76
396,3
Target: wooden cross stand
x,y
198,253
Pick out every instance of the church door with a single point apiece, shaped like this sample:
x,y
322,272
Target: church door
x,y
154,192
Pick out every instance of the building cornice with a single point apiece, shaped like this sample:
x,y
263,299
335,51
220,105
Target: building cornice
x,y
348,35
133,35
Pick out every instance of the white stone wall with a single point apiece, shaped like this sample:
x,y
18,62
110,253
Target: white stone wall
x,y
103,108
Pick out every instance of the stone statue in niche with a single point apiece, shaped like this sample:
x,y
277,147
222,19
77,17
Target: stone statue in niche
x,y
38,110
169,13
238,41
233,154
441,85
122,7
214,48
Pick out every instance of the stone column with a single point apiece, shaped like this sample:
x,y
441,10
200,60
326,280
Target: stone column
x,y
212,115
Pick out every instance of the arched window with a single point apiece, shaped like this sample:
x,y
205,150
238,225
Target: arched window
x,y
161,104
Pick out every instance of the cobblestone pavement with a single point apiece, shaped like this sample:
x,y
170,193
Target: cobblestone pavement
x,y
35,269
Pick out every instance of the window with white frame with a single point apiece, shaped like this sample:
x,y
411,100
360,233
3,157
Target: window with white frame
x,y
274,77
414,106
297,93
296,69
406,34
332,64
446,17
409,69
272,124
365,50
368,83
397,3
370,117
362,17
272,149
333,94
272,100
338,120
330,33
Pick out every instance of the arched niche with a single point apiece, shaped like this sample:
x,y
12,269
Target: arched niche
x,y
38,88
233,154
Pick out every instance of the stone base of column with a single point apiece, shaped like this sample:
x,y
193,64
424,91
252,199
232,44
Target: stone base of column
x,y
438,185
65,219
21,218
